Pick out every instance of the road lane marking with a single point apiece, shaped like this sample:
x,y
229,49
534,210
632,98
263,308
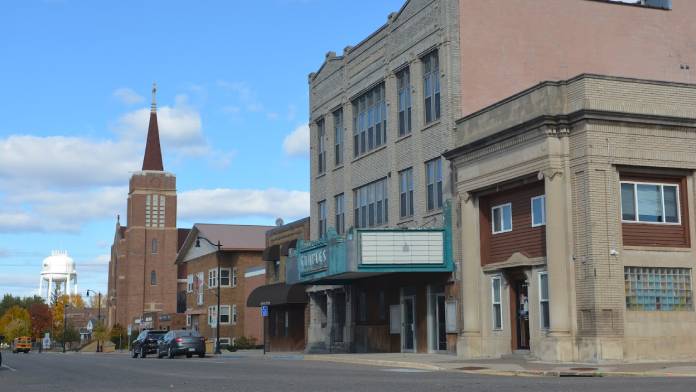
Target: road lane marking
x,y
11,369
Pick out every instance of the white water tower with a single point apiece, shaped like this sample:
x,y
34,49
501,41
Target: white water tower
x,y
58,270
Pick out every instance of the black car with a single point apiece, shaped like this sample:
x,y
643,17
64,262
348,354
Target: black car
x,y
181,342
146,343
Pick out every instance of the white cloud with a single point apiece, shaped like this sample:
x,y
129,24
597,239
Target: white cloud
x,y
297,142
65,161
128,96
202,204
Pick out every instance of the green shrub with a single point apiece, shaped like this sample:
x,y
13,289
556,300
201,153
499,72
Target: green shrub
x,y
244,343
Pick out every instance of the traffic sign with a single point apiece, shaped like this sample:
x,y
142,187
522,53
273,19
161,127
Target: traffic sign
x,y
264,311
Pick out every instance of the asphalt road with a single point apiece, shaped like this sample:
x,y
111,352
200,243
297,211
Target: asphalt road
x,y
96,373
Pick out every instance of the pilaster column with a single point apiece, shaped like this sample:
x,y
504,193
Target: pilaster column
x,y
557,257
470,342
329,318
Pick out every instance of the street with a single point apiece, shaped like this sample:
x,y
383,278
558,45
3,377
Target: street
x,y
116,372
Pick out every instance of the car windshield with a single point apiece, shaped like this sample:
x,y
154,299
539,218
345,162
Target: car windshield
x,y
156,334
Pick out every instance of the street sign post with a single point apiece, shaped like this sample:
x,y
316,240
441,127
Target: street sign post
x,y
264,314
264,311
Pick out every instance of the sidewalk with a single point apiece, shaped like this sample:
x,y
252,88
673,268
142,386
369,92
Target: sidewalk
x,y
512,366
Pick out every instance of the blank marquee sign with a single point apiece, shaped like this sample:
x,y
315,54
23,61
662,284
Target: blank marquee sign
x,y
402,247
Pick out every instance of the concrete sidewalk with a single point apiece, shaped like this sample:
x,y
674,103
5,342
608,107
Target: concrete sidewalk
x,y
512,366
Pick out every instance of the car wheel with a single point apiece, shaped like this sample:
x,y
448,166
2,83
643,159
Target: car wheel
x,y
170,354
159,354
189,355
143,353
201,355
134,354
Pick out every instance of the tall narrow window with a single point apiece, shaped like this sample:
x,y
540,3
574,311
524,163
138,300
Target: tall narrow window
x,y
650,203
340,213
433,180
538,211
403,85
153,278
234,314
544,313
234,277
224,277
406,193
199,283
154,211
431,86
321,147
338,136
369,120
212,278
497,304
322,218
153,246
371,204
189,283
502,218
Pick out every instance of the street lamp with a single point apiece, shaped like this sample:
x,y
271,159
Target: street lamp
x,y
217,313
99,348
65,323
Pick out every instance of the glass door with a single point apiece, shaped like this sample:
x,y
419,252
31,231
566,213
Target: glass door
x,y
408,327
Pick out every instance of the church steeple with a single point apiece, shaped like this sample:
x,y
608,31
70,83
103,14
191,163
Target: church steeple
x,y
153,153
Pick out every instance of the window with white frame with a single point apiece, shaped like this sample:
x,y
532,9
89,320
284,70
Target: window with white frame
x,y
338,136
154,211
433,181
199,282
212,315
538,211
501,216
189,283
431,86
321,147
322,218
225,279
646,202
225,342
224,314
339,201
406,193
234,314
369,121
496,297
371,204
234,277
403,86
212,278
188,320
658,289
544,312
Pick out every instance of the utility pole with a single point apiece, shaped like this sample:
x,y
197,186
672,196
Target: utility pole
x,y
65,324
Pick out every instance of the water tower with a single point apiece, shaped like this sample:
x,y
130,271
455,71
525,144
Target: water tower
x,y
58,270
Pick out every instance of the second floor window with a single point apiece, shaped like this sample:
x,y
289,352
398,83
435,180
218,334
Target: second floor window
x,y
433,180
321,147
340,214
369,121
431,86
403,85
538,211
650,202
371,204
406,193
338,136
502,218
322,218
212,278
225,277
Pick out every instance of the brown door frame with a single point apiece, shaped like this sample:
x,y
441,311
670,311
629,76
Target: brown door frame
x,y
514,277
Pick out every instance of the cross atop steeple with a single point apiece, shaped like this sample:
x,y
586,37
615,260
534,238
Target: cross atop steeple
x,y
153,153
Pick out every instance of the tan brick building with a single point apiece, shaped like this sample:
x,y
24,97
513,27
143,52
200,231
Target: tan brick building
x,y
142,273
577,221
241,270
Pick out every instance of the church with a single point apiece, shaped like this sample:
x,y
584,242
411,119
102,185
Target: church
x,y
144,282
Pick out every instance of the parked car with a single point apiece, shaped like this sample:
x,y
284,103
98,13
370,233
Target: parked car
x,y
146,343
21,344
181,342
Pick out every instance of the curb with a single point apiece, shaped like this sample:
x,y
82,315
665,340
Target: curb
x,y
374,362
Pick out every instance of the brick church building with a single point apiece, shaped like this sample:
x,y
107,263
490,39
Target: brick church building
x,y
143,279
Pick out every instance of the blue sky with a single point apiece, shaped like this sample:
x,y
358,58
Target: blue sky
x,y
75,81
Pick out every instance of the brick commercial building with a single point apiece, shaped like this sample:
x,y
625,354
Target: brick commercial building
x,y
241,271
383,113
142,273
287,304
577,214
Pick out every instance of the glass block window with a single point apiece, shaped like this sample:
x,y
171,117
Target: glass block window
x,y
154,211
658,289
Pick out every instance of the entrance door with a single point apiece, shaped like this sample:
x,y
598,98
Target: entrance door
x,y
522,310
441,323
408,327
339,317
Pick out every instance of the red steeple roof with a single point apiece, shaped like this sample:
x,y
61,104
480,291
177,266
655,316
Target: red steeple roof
x,y
153,153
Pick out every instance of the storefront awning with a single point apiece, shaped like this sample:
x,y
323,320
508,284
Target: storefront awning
x,y
271,253
277,294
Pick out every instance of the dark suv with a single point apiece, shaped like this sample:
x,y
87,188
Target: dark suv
x,y
146,343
